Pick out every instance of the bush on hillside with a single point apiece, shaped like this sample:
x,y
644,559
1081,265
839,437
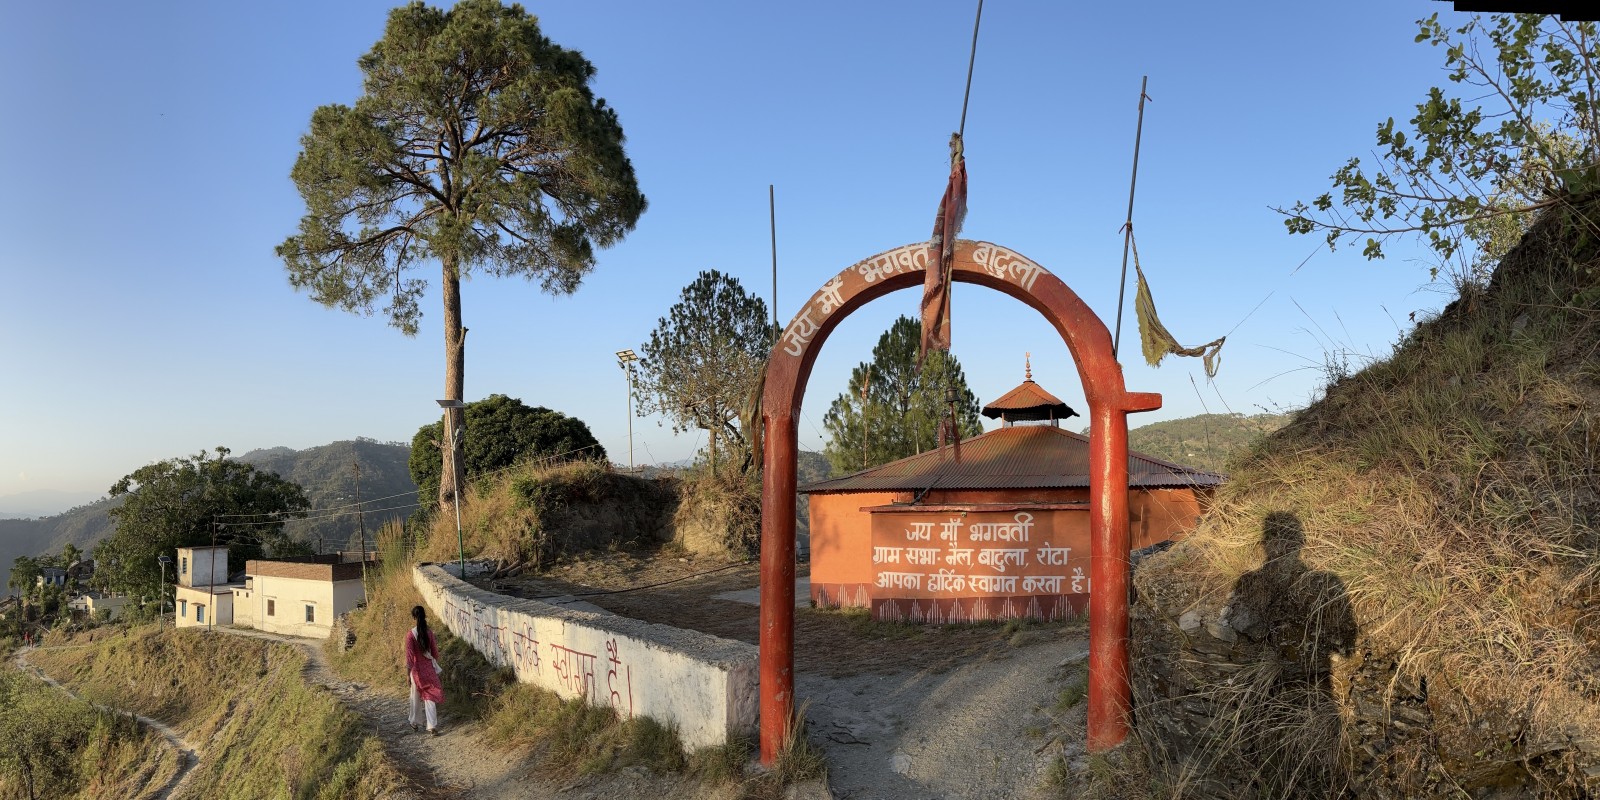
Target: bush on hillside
x,y
718,515
531,515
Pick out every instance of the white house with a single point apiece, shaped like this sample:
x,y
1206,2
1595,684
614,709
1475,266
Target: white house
x,y
91,602
299,596
203,594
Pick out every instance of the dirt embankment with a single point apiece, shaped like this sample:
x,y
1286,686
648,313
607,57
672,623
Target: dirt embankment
x,y
1395,594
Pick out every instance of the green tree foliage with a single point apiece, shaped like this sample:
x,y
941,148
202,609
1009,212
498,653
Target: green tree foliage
x,y
703,361
477,142
174,503
903,408
1467,178
502,431
25,571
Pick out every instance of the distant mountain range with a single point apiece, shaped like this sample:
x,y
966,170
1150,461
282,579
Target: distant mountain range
x,y
43,503
326,473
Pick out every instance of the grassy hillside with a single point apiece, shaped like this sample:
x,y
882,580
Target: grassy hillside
x,y
1206,441
1449,499
326,473
265,732
53,746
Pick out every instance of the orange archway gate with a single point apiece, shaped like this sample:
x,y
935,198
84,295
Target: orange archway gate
x,y
789,368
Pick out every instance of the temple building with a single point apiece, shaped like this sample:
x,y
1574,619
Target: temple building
x,y
993,527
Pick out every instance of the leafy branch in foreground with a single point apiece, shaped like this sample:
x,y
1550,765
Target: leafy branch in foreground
x,y
1467,179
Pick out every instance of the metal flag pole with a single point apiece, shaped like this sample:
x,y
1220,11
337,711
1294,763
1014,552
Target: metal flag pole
x,y
1127,227
772,225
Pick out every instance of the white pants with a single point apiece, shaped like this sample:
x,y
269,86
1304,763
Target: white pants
x,y
417,703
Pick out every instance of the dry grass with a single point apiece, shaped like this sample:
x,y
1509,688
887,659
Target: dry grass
x,y
65,747
264,730
719,515
1454,490
531,515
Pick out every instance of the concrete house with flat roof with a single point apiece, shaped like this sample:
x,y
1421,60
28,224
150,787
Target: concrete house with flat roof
x,y
202,593
299,596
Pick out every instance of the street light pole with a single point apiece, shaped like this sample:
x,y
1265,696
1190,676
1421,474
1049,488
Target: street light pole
x,y
453,435
161,592
625,359
211,587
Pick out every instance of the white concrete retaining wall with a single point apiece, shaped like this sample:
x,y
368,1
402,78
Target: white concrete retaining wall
x,y
700,684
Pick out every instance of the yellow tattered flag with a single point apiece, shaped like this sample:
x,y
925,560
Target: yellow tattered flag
x,y
1154,337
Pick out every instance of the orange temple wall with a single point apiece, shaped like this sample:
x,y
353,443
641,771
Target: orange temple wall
x,y
873,550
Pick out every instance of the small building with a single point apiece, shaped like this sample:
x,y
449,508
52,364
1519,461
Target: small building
x,y
51,576
993,527
299,596
91,603
203,594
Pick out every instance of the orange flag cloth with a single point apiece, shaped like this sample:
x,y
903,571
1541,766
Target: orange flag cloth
x,y
936,284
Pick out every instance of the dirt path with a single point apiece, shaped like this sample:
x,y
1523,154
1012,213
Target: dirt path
x,y
448,765
457,763
901,712
188,755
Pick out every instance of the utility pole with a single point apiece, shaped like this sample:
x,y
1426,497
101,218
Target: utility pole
x,y
211,578
361,523
772,225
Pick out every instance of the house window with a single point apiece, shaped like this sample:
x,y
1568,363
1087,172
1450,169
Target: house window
x,y
272,608
311,613
199,612
183,565
183,608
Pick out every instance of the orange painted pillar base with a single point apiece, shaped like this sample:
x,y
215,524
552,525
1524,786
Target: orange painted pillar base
x,y
777,582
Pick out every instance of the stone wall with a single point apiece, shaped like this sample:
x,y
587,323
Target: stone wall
x,y
703,686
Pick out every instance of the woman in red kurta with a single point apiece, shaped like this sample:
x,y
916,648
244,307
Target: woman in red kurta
x,y
422,668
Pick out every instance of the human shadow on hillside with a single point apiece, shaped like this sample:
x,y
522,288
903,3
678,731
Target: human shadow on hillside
x,y
1297,618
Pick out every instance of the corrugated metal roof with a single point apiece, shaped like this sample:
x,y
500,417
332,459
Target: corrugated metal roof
x,y
1018,457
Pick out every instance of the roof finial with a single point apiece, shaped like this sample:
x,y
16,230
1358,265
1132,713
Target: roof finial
x,y
1027,361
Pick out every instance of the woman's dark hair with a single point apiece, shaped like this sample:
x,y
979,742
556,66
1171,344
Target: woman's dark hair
x,y
421,617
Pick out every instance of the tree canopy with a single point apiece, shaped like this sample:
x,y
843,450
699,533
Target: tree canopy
x,y
174,503
25,570
704,359
1469,177
502,431
903,407
478,143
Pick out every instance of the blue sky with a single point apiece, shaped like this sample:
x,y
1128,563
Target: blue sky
x,y
145,315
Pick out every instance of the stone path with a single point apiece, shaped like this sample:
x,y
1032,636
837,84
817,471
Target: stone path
x,y
188,755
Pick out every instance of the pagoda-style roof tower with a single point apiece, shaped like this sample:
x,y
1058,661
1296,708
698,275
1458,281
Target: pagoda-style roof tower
x,y
1028,402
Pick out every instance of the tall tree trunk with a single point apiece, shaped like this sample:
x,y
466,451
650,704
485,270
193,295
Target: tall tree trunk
x,y
713,430
455,367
